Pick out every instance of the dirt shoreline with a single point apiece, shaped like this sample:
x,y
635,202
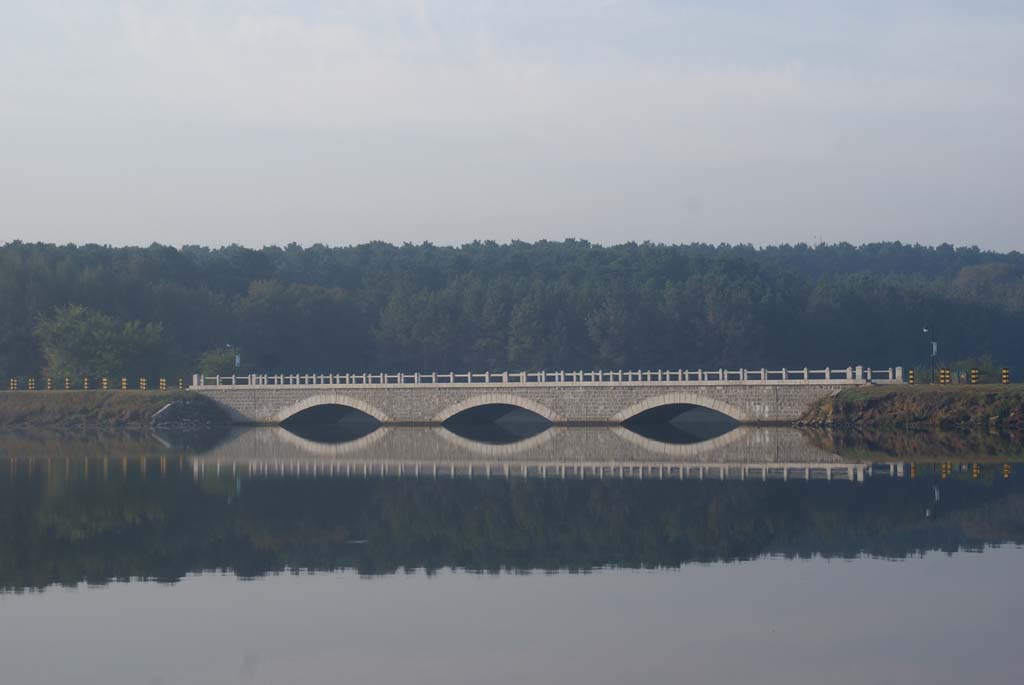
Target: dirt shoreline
x,y
107,409
921,406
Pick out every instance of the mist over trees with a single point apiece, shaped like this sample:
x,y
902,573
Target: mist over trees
x,y
573,305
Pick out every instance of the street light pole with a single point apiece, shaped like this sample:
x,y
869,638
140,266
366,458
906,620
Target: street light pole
x,y
934,348
238,356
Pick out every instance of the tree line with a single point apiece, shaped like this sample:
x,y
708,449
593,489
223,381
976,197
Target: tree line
x,y
104,311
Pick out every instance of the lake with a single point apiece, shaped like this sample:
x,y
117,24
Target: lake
x,y
571,555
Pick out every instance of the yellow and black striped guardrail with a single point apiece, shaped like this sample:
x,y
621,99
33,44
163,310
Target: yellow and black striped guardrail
x,y
22,383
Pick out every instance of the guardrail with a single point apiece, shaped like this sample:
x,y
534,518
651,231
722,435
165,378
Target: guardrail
x,y
27,383
851,374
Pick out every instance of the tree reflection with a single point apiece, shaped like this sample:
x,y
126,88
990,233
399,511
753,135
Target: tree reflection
x,y
149,517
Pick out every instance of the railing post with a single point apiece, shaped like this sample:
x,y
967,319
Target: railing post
x,y
828,373
860,372
898,374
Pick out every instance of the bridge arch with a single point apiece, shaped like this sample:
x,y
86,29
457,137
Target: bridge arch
x,y
485,399
682,397
326,398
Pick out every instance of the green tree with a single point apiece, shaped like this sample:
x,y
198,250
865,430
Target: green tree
x,y
77,341
220,361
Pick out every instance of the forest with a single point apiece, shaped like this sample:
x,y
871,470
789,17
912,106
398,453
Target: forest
x,y
68,310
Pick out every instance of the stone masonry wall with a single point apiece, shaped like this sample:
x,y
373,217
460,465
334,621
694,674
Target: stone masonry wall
x,y
559,403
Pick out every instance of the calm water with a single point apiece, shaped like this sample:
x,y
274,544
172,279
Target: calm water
x,y
565,555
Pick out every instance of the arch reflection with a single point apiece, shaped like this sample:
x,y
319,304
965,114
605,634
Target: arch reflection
x,y
497,424
331,424
680,424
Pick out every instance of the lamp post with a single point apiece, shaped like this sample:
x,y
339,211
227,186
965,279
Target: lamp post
x,y
934,351
238,356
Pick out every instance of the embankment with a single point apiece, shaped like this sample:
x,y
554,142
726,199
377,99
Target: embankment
x,y
106,409
921,406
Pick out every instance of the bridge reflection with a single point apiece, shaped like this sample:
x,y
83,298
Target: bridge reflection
x,y
746,453
595,453
266,501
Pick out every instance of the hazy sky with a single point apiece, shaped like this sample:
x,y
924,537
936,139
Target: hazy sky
x,y
340,122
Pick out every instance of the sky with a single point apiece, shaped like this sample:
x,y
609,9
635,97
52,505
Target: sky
x,y
267,122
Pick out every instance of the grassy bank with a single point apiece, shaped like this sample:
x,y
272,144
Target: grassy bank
x,y
102,408
923,406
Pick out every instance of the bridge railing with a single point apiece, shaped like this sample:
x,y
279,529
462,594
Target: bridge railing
x,y
332,468
848,375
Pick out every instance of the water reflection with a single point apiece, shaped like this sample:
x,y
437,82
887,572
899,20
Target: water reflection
x,y
497,424
265,500
331,423
503,424
333,433
681,424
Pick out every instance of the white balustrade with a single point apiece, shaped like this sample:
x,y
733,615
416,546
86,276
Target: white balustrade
x,y
828,375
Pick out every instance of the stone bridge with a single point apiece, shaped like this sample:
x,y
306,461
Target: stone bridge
x,y
561,397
